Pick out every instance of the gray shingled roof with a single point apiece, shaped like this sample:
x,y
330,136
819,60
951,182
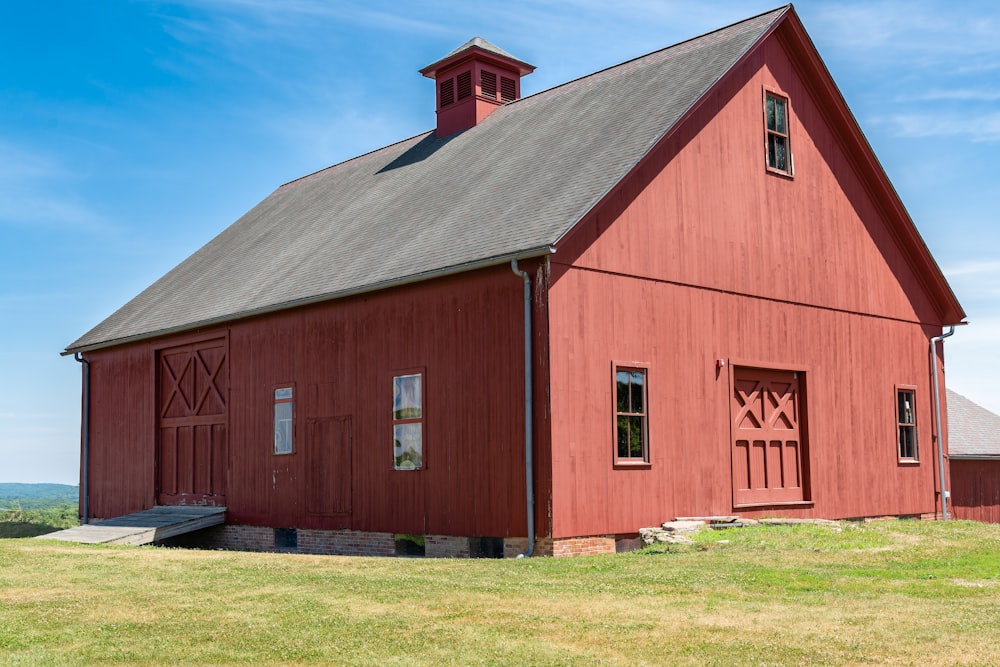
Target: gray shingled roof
x,y
511,186
973,431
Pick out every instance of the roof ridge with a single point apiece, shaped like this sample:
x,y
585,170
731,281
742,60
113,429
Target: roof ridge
x,y
778,10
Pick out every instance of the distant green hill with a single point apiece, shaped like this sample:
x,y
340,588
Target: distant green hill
x,y
37,509
37,496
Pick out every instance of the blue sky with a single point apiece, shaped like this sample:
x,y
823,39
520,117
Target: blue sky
x,y
133,132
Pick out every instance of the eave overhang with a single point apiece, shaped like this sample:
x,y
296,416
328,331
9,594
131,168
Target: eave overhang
x,y
530,253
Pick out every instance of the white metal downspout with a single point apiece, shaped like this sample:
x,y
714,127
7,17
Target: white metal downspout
x,y
937,419
529,475
85,444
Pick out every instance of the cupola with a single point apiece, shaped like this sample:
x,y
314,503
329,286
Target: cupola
x,y
472,81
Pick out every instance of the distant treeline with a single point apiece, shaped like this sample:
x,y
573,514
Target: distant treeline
x,y
27,510
37,496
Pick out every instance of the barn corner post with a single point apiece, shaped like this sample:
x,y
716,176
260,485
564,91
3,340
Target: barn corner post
x,y
529,476
939,436
84,440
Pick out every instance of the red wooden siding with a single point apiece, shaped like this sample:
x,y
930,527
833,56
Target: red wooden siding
x,y
702,255
975,490
466,331
122,430
715,218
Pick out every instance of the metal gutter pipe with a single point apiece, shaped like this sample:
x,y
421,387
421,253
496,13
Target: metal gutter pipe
x,y
529,475
937,419
85,430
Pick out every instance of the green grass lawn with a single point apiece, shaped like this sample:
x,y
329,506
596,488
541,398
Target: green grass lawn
x,y
919,593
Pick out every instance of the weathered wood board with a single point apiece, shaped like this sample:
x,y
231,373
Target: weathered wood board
x,y
143,527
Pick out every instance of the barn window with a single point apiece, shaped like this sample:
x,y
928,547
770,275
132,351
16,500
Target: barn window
x,y
408,421
779,152
906,423
284,405
631,432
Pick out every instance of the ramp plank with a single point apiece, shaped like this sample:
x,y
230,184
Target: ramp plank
x,y
144,527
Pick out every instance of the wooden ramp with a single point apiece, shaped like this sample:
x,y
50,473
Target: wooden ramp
x,y
158,523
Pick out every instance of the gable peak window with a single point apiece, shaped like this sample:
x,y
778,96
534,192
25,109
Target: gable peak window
x,y
777,137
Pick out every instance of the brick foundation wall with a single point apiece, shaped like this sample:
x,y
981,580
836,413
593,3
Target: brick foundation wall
x,y
559,548
261,538
446,546
346,543
584,546
359,543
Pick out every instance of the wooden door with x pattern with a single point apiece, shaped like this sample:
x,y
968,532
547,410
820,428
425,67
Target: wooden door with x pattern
x,y
193,424
768,452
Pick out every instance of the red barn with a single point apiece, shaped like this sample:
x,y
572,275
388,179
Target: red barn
x,y
974,458
679,286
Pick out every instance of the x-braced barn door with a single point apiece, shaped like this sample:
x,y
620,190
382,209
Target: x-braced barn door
x,y
193,393
767,445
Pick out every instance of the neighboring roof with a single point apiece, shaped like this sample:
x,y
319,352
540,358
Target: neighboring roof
x,y
509,187
973,431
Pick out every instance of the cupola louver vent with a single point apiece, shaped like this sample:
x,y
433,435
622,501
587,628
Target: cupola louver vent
x,y
464,85
447,92
488,84
508,91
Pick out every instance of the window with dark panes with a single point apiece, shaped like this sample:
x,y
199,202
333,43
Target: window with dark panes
x,y
630,415
778,145
906,410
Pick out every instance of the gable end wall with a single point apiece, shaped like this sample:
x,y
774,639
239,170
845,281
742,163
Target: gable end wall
x,y
701,255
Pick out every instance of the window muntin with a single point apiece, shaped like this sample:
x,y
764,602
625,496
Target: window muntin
x,y
779,152
906,423
631,432
408,421
284,405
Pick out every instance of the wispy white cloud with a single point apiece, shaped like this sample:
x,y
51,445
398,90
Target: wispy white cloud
x,y
924,29
33,191
967,353
974,267
956,95
975,127
976,282
243,19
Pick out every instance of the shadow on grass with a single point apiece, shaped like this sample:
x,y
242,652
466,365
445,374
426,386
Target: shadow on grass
x,y
25,529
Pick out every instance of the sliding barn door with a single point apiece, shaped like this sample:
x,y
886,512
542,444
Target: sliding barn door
x,y
193,416
768,452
